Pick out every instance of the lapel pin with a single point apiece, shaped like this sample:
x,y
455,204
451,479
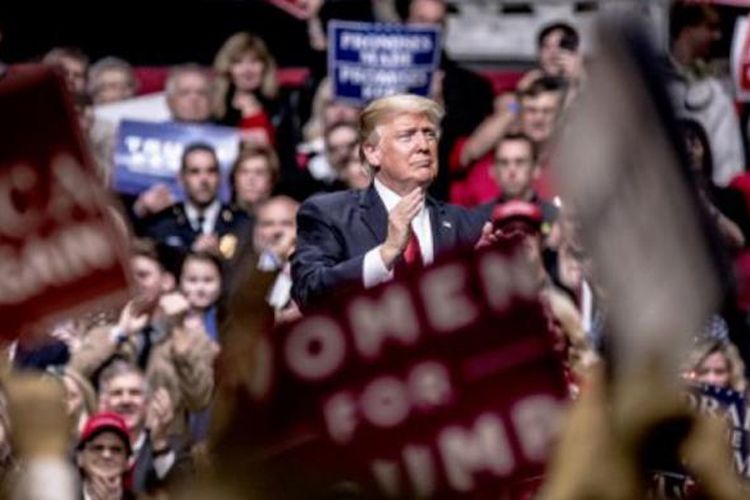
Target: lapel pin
x,y
447,224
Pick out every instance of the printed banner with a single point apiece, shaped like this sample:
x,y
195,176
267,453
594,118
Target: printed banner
x,y
59,248
447,385
368,61
149,153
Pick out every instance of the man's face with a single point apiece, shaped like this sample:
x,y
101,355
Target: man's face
x,y
190,100
252,180
112,85
334,112
126,395
104,456
340,143
515,169
200,281
275,220
405,153
549,53
75,74
149,276
200,177
427,12
538,115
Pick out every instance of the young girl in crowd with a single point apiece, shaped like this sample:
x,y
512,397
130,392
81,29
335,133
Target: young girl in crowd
x,y
200,282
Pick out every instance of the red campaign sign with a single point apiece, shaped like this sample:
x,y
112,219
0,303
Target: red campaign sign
x,y
745,63
445,385
297,8
59,250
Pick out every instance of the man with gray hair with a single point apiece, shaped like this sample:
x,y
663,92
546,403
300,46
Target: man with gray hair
x,y
368,236
188,89
111,79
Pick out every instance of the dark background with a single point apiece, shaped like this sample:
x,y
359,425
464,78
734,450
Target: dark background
x,y
165,32
147,33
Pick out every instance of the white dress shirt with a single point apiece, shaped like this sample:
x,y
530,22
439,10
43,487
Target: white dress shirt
x,y
210,214
374,271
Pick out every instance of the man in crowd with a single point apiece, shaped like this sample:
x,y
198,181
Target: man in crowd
x,y
515,170
74,64
201,222
274,237
111,79
102,456
340,139
148,413
364,236
152,334
188,92
698,95
558,54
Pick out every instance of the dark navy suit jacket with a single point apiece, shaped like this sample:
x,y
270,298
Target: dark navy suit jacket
x,y
336,230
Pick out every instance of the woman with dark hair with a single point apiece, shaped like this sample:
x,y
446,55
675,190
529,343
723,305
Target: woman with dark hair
x,y
253,177
725,205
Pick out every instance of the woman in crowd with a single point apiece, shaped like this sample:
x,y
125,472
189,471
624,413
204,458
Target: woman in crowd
x,y
245,88
253,177
718,363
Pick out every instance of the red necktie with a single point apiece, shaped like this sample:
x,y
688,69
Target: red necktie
x,y
412,256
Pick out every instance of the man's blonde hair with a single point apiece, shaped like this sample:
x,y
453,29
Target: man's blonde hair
x,y
384,108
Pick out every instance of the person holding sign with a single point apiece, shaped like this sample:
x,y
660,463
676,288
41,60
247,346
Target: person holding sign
x,y
364,236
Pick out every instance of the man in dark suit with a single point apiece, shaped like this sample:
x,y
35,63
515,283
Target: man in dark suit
x,y
365,236
201,222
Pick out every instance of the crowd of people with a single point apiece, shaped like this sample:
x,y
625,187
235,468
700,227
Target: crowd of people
x,y
334,195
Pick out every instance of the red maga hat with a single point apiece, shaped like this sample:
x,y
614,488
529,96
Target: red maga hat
x,y
517,215
105,422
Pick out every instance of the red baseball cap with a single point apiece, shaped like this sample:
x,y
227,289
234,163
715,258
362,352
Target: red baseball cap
x,y
517,215
105,422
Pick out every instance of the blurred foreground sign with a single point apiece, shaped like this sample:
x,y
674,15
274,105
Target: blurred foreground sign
x,y
620,169
59,250
448,385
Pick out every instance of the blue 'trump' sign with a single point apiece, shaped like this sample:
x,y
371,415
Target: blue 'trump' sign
x,y
147,153
368,61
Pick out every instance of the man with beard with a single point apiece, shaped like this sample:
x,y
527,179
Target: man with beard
x,y
156,460
201,222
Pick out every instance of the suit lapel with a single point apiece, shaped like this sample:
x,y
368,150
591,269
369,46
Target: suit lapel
x,y
374,214
443,226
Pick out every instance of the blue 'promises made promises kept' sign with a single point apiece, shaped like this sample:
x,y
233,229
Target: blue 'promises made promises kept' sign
x,y
368,61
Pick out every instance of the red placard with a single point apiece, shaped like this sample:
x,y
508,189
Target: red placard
x,y
445,385
59,250
297,8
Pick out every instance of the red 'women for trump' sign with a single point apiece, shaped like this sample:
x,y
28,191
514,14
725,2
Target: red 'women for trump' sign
x,y
59,250
444,385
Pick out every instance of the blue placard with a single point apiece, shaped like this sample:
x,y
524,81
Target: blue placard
x,y
368,61
148,153
732,406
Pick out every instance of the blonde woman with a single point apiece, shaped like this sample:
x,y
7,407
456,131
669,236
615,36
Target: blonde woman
x,y
246,89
